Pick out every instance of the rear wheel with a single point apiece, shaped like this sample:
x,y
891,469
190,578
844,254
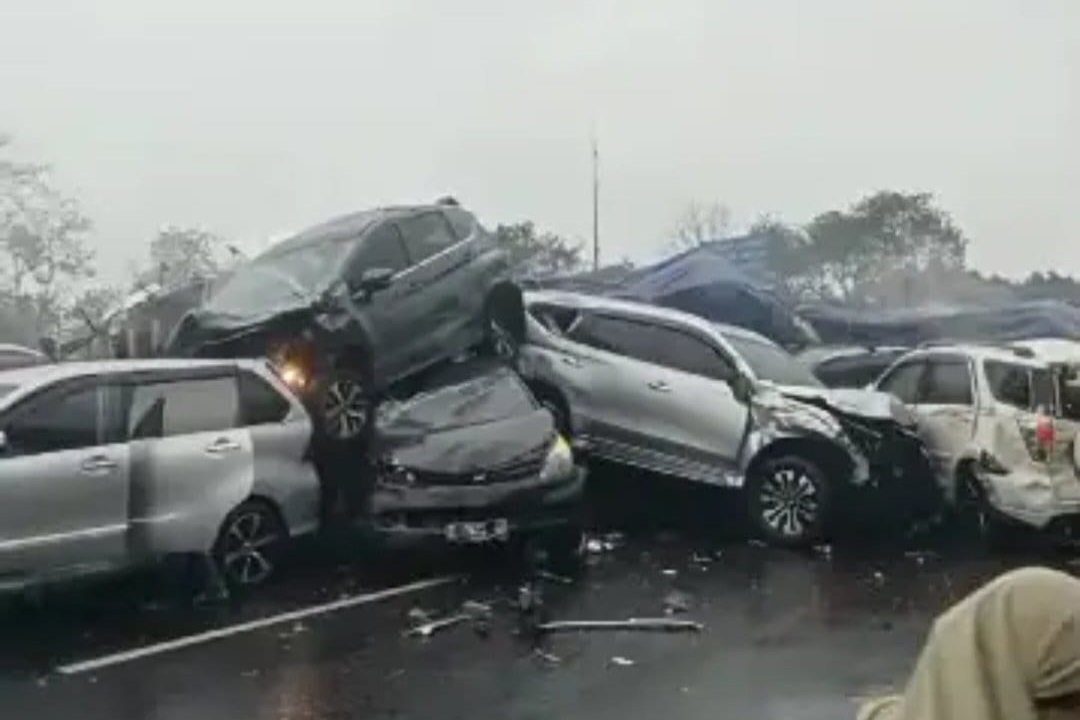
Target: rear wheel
x,y
249,544
788,500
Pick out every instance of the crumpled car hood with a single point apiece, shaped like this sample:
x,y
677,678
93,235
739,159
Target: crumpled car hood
x,y
471,448
869,404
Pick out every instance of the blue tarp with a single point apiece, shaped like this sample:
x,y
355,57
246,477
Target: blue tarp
x,y
1015,321
703,282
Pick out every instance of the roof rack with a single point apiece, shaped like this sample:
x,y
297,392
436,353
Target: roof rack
x,y
996,344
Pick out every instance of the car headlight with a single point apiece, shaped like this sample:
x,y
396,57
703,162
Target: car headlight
x,y
559,462
293,375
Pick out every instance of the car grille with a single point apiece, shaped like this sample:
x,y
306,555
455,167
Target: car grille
x,y
523,468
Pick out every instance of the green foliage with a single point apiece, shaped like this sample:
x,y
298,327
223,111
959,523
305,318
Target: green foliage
x,y
537,253
182,256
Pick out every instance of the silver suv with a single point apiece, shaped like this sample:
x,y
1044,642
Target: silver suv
x,y
676,394
110,464
990,417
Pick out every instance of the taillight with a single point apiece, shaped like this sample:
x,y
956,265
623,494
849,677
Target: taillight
x,y
1045,433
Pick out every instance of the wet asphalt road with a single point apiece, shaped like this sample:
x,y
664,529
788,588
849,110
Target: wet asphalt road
x,y
787,634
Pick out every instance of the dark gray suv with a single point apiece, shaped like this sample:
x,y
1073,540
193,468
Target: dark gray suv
x,y
352,307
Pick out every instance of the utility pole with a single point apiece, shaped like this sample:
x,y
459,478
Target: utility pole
x,y
595,204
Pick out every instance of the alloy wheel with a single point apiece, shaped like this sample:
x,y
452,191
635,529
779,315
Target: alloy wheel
x,y
789,501
247,554
345,409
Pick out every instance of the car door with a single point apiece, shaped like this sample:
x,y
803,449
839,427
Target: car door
x,y
946,410
64,472
191,463
693,414
385,314
435,282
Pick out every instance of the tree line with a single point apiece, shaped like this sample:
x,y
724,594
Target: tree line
x,y
887,248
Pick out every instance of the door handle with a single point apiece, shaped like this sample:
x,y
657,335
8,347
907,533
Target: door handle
x,y
222,445
572,362
659,386
97,464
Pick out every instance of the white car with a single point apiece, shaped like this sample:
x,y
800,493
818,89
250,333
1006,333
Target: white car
x,y
990,418
110,464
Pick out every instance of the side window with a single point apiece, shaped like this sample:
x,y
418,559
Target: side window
x,y
425,235
557,319
260,403
903,381
379,248
681,351
605,333
1009,383
461,221
947,382
183,407
56,421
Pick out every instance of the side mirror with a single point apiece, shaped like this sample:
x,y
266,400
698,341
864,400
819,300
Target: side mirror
x,y
373,280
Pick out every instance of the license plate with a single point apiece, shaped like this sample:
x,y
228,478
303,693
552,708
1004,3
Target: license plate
x,y
478,532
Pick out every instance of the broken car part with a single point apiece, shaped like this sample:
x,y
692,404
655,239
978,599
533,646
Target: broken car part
x,y
642,624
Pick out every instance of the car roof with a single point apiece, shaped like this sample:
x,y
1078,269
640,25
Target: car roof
x,y
1001,353
582,301
52,372
349,225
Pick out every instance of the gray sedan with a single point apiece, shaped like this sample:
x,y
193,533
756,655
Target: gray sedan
x,y
105,465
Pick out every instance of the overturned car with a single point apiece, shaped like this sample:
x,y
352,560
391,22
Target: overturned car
x,y
475,459
677,394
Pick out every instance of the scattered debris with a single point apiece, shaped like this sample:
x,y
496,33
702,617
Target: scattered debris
x,y
547,575
879,578
254,673
621,661
824,551
920,556
670,572
434,626
676,602
643,624
547,657
756,543
419,615
476,608
594,545
702,559
613,540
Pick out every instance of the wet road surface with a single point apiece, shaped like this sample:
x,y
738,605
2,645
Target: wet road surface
x,y
786,635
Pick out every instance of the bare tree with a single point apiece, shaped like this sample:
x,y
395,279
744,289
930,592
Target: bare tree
x,y
701,223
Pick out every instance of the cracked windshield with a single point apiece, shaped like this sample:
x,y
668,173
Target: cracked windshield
x,y
575,359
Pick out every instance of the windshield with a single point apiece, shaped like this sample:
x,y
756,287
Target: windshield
x,y
769,362
278,280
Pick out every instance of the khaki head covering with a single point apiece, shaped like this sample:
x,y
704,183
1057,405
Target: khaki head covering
x,y
990,657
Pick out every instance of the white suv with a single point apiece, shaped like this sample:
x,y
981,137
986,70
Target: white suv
x,y
988,416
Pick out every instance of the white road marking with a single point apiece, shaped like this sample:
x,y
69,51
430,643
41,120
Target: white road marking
x,y
220,633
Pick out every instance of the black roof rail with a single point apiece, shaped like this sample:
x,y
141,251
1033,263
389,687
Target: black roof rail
x,y
996,344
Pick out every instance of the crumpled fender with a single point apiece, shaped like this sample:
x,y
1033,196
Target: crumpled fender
x,y
776,417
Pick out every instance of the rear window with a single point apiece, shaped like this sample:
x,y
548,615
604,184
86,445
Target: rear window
x,y
1019,386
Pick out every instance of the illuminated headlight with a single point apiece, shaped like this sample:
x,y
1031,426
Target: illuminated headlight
x,y
293,375
559,462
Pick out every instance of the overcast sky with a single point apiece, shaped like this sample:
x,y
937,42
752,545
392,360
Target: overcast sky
x,y
257,117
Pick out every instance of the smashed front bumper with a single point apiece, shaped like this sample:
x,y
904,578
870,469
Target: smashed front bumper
x,y
422,515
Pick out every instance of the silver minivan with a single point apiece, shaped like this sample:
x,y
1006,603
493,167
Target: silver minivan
x,y
110,464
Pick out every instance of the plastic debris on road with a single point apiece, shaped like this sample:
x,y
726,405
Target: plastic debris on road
x,y
676,602
670,572
621,661
637,624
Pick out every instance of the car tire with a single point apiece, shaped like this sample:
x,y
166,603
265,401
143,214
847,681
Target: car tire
x,y
788,501
249,545
343,408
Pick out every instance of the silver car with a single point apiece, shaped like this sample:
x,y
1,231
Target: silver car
x,y
674,393
110,464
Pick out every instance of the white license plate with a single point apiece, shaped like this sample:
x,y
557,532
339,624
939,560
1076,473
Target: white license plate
x,y
478,532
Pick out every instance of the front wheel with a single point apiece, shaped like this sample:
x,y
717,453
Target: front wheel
x,y
249,545
788,501
342,407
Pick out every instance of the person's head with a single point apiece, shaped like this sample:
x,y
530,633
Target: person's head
x,y
1009,651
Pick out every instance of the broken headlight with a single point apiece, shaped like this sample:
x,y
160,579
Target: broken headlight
x,y
559,462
